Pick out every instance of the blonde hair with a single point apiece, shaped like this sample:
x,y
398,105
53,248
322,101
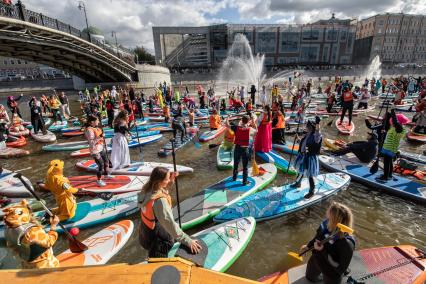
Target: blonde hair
x,y
339,213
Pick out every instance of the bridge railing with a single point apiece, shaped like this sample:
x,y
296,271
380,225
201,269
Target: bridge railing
x,y
18,11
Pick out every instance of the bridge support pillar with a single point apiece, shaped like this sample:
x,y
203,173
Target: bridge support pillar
x,y
150,76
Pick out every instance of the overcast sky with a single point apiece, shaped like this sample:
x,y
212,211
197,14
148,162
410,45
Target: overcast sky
x,y
133,19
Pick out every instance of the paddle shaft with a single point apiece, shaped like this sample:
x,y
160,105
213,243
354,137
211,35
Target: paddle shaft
x,y
28,187
322,242
176,181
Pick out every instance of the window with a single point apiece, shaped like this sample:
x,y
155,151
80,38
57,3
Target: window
x,y
325,53
290,41
309,53
343,35
19,61
332,35
5,62
266,42
12,62
310,34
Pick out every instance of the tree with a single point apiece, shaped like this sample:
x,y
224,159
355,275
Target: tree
x,y
143,55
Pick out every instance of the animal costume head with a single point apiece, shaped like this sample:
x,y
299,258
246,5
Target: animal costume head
x,y
17,215
55,171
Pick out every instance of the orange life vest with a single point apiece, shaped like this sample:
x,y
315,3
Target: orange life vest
x,y
98,133
348,96
215,121
166,111
147,211
249,106
242,136
281,122
229,136
265,119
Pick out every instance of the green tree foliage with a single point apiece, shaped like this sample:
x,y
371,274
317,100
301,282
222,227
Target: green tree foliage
x,y
143,55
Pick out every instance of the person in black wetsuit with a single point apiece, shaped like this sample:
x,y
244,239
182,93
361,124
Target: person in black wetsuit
x,y
178,124
12,103
365,151
331,260
37,120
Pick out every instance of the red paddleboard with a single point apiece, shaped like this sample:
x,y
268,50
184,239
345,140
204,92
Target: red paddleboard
x,y
20,142
72,133
344,128
416,137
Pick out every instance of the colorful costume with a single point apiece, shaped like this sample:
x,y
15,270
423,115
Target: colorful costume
x,y
263,141
62,190
28,239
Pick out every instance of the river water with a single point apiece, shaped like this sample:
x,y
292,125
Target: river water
x,y
380,219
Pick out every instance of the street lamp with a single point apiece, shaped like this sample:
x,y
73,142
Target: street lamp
x,y
81,6
114,34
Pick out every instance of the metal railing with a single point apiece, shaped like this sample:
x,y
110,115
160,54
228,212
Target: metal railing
x,y
19,12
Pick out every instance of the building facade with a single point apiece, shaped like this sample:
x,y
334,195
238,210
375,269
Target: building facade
x,y
321,43
21,69
396,38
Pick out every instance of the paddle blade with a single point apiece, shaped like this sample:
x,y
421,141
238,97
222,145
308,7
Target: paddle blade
x,y
255,168
75,245
105,195
344,229
295,256
375,167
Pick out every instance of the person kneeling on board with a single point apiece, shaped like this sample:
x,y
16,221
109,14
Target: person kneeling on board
x,y
27,238
159,231
307,159
365,151
242,150
228,139
214,120
95,136
331,259
61,190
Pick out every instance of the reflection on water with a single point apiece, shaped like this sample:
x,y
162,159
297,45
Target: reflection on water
x,y
380,219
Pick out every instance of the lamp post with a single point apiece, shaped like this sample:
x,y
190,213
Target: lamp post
x,y
81,6
114,34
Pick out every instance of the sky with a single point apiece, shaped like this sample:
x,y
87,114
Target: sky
x,y
132,20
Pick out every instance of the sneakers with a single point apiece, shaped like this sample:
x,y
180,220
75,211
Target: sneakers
x,y
309,195
101,183
382,178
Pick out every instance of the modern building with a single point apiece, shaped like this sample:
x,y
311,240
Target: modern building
x,y
396,38
324,42
20,69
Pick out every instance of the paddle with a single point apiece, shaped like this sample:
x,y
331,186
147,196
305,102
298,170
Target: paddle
x,y
102,195
375,167
340,228
139,143
75,245
173,141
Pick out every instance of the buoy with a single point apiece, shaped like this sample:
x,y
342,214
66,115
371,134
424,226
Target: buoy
x,y
74,231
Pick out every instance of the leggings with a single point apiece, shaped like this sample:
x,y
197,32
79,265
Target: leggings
x,y
311,182
56,115
181,129
387,166
16,110
102,162
349,108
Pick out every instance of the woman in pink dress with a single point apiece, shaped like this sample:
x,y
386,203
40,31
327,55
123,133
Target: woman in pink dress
x,y
263,141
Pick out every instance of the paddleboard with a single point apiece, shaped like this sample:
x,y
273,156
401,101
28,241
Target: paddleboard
x,y
402,264
134,169
167,149
279,201
207,203
33,203
11,186
102,246
66,146
416,137
135,135
399,186
96,211
12,153
344,128
222,244
57,126
333,144
17,142
225,158
288,147
71,129
279,161
43,138
211,134
24,132
74,134
419,158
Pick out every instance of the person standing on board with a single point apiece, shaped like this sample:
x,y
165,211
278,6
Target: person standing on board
x,y
347,106
242,150
307,159
253,94
159,231
263,141
120,156
331,259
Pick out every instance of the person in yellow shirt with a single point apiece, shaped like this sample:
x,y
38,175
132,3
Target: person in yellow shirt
x,y
54,105
62,190
215,120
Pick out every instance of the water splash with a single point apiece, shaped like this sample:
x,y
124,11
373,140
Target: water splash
x,y
374,69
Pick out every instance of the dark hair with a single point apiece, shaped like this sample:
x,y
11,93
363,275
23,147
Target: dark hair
x,y
158,174
90,119
245,119
268,111
120,116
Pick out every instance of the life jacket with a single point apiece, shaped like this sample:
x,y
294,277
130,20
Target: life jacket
x,y
27,252
166,111
54,103
281,122
326,233
98,132
249,107
214,121
242,136
16,121
265,119
229,136
147,211
348,96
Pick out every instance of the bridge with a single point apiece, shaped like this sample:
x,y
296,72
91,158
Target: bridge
x,y
32,36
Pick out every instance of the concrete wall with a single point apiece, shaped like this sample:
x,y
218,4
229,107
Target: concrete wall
x,y
36,85
151,75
